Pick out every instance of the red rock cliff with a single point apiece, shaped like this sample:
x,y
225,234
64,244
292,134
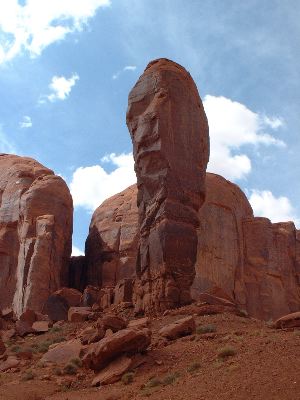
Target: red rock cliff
x,y
35,233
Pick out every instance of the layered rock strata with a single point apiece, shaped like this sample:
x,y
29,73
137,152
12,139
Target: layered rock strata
x,y
35,233
169,131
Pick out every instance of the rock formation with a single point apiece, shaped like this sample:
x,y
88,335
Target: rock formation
x,y
270,268
256,263
169,132
112,241
220,237
35,233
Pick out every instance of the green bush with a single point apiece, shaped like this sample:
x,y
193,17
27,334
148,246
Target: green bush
x,y
127,378
225,352
28,376
194,367
171,378
210,328
70,369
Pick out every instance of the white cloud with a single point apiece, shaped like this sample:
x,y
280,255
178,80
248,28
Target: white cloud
x,y
90,186
129,68
126,68
38,23
76,251
5,145
231,126
277,209
60,87
26,122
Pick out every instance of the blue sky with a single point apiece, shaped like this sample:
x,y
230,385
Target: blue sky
x,y
66,68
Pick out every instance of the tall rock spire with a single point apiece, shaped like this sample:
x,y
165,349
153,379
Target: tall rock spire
x,y
169,131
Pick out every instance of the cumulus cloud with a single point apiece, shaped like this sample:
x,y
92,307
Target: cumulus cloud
x,y
38,23
90,186
233,125
60,88
277,209
26,122
76,251
126,68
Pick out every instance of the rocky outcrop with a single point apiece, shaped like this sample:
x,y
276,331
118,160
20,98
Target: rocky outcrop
x,y
112,241
35,233
270,269
182,327
220,257
126,341
246,260
169,131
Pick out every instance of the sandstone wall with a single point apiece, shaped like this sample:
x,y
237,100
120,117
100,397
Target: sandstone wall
x,y
35,233
255,262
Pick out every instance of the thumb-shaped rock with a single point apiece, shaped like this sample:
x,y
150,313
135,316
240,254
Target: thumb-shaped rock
x,y
169,131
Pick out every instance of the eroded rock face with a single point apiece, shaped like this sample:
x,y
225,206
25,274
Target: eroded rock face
x,y
169,131
270,268
220,257
35,233
112,241
253,262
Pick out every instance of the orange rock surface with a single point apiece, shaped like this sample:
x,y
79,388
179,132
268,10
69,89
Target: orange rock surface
x,y
169,132
35,233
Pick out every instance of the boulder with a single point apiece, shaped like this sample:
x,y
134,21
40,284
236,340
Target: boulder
x,y
288,321
72,296
78,314
92,335
91,295
182,327
10,362
113,322
41,326
139,323
35,233
215,300
28,316
63,352
113,372
23,328
8,313
126,341
56,307
7,335
169,131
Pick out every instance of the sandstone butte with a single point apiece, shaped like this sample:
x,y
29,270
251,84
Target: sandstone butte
x,y
35,233
256,263
169,131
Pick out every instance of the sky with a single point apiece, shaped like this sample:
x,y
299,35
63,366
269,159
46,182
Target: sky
x,y
67,66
